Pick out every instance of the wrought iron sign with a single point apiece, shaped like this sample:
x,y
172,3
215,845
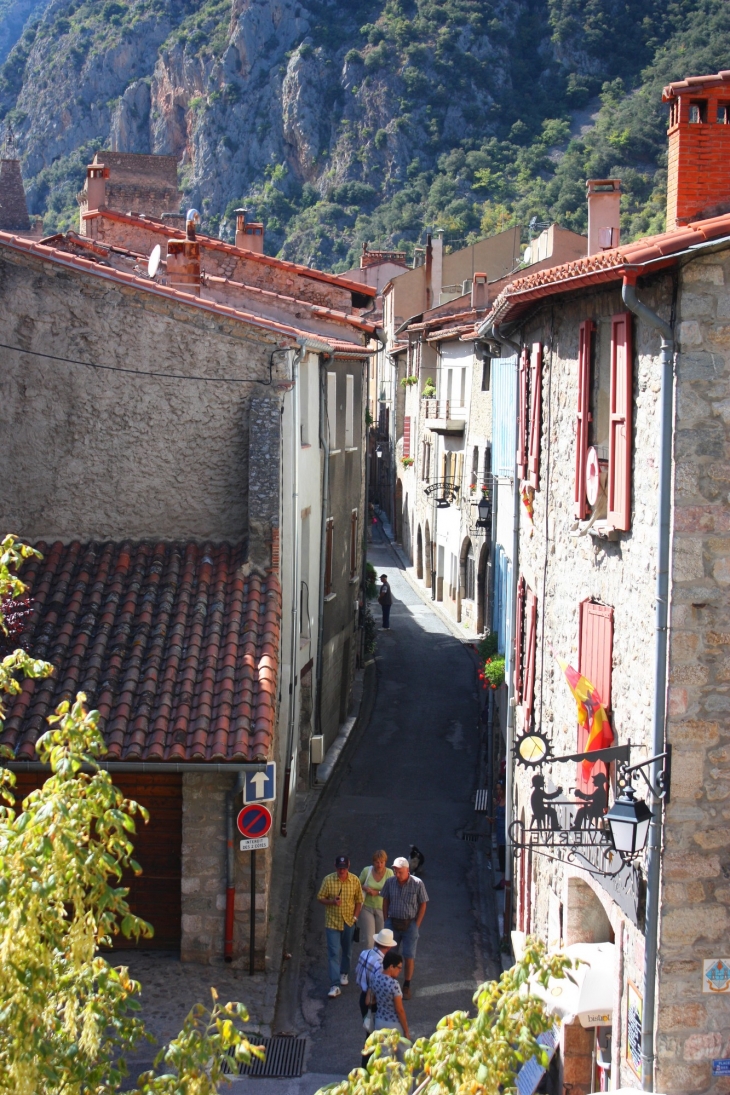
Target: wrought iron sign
x,y
445,490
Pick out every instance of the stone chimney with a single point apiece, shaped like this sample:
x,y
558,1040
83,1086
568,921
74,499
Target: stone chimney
x,y
479,291
183,259
249,234
698,167
96,176
604,201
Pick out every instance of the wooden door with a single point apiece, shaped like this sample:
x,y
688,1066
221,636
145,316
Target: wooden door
x,y
155,895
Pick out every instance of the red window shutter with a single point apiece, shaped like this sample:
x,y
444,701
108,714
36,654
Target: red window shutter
x,y
530,648
583,417
407,436
522,416
519,631
535,415
595,661
619,438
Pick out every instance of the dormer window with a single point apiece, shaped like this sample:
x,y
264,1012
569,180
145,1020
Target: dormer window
x,y
697,112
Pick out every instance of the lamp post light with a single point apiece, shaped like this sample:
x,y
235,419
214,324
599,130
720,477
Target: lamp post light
x,y
484,509
628,820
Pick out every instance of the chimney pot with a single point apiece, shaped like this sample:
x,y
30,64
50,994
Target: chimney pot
x,y
604,214
249,234
479,291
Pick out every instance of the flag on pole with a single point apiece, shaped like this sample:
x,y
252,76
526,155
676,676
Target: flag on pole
x,y
591,713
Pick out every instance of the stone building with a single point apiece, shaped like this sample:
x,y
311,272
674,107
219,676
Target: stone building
x,y
131,182
161,443
595,466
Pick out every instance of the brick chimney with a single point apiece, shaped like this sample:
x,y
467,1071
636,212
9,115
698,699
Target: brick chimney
x,y
604,220
249,234
183,259
479,291
698,169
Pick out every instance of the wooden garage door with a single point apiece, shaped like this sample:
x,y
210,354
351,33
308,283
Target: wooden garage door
x,y
155,894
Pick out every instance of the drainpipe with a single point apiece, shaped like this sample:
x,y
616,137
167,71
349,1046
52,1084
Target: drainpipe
x,y
653,861
511,703
295,591
324,440
231,797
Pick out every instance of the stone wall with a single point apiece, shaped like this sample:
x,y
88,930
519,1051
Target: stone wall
x,y
204,877
694,1027
105,454
264,476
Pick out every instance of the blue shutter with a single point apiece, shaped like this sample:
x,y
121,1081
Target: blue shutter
x,y
504,416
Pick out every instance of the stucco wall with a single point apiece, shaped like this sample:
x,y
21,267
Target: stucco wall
x,y
108,455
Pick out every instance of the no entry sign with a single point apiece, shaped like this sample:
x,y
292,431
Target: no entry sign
x,y
254,821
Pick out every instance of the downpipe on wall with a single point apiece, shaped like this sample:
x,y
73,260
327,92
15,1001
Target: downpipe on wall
x,y
295,443
231,799
653,859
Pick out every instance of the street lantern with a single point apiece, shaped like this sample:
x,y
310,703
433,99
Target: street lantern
x,y
628,820
379,453
484,507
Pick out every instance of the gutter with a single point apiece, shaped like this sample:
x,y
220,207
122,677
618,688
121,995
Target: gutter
x,y
324,441
653,861
145,766
511,702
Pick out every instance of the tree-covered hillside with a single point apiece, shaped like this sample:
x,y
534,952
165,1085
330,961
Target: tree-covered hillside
x,y
372,120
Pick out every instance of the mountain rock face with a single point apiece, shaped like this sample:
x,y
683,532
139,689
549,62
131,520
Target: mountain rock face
x,y
335,122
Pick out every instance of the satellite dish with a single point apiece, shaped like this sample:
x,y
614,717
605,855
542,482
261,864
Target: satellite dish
x,y
593,477
153,262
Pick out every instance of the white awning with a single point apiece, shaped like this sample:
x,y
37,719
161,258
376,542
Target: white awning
x,y
589,996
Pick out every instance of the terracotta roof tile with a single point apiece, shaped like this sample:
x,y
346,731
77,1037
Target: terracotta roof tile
x,y
176,649
652,252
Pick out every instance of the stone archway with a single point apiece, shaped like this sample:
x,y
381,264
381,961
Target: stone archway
x,y
466,589
482,588
398,513
419,553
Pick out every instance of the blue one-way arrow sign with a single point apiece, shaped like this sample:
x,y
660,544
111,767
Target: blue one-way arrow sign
x,y
260,786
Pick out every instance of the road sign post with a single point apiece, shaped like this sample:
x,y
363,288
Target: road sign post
x,y
260,786
254,822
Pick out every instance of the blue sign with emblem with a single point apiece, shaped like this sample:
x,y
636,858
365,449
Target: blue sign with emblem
x,y
260,786
721,1066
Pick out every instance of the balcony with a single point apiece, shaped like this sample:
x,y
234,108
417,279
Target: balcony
x,y
442,416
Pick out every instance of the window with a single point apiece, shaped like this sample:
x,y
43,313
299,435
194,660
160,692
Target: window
x,y
426,461
525,649
406,435
353,544
304,402
462,388
595,661
605,398
332,409
328,552
449,384
349,411
530,416
474,467
486,372
723,113
452,468
698,112
487,472
470,575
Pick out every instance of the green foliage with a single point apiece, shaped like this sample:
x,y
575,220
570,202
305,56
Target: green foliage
x,y
493,672
488,646
467,1056
69,1017
429,389
408,381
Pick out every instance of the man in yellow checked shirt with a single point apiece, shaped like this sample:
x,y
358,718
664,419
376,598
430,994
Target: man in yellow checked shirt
x,y
342,896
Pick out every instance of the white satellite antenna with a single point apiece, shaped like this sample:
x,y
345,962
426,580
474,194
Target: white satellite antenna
x,y
153,262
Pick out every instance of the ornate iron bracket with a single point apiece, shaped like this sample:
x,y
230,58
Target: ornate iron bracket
x,y
659,787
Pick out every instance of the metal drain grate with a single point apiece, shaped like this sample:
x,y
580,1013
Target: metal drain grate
x,y
284,1057
481,799
472,838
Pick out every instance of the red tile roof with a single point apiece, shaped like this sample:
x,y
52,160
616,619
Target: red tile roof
x,y
110,273
220,245
695,83
633,259
175,647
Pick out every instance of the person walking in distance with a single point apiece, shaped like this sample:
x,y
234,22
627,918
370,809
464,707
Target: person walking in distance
x,y
370,962
385,600
372,880
404,907
342,896
389,1011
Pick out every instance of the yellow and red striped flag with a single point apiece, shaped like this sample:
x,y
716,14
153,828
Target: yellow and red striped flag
x,y
591,713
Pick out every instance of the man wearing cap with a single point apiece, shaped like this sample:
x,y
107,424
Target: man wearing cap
x,y
404,907
342,896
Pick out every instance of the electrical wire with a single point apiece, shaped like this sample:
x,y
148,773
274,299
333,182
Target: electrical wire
x,y
142,372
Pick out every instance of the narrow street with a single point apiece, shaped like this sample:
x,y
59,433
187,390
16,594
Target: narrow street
x,y
409,780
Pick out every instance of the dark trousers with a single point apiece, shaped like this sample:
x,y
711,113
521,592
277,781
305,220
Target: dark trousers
x,y
386,615
501,849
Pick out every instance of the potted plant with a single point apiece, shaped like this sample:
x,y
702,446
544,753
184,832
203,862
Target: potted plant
x,y
406,461
429,389
409,381
493,673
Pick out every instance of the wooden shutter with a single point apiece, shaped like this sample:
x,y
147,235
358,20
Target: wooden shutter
x,y
329,545
407,436
619,438
533,460
353,543
528,698
519,630
459,471
583,417
595,661
522,416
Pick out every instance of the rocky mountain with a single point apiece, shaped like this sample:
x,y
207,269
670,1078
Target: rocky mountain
x,y
365,120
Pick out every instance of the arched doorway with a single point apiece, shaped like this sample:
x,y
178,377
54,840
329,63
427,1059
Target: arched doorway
x,y
482,588
467,576
398,515
419,554
429,562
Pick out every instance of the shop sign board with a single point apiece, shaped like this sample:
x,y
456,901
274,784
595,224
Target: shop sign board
x,y
633,1029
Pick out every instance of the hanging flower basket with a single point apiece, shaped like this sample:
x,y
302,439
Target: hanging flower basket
x,y
406,461
493,673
